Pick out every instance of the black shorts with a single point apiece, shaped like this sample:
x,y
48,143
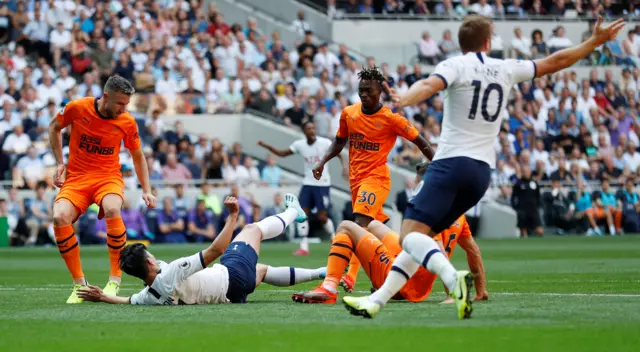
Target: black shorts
x,y
241,260
528,219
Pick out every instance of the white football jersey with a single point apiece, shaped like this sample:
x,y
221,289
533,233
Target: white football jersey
x,y
477,90
186,281
312,155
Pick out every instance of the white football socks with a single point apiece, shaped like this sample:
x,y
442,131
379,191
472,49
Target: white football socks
x,y
273,226
303,231
289,276
330,228
426,252
403,268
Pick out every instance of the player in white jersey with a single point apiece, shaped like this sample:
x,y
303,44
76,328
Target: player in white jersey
x,y
189,280
315,194
477,89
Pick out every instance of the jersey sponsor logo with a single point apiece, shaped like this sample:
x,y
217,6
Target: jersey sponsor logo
x,y
185,265
357,141
93,145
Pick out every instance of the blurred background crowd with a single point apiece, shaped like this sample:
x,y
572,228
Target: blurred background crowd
x,y
568,135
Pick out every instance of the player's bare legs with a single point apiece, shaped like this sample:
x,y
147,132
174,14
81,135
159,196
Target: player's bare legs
x,y
64,213
110,206
348,281
343,246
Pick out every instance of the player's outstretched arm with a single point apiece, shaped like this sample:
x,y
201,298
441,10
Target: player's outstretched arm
x,y
476,266
95,294
219,245
279,152
334,150
419,91
569,56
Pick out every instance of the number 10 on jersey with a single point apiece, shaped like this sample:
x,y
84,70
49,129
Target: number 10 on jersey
x,y
486,115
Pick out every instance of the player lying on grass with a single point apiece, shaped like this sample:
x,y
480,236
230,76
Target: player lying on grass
x,y
378,249
189,280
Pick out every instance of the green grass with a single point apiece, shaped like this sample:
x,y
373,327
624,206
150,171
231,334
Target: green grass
x,y
552,294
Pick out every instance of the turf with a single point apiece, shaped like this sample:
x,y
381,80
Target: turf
x,y
551,294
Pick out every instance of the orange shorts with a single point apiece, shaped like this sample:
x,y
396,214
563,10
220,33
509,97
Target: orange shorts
x,y
369,198
597,212
88,189
377,256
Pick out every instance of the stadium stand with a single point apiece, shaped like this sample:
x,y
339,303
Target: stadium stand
x,y
185,58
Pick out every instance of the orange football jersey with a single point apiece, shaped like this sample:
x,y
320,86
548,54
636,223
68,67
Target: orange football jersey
x,y
371,138
418,288
94,145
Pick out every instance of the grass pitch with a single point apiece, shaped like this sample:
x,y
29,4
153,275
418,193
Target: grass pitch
x,y
551,294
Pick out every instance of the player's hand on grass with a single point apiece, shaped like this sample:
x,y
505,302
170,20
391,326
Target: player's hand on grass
x,y
91,293
482,296
61,175
149,200
231,203
317,171
607,33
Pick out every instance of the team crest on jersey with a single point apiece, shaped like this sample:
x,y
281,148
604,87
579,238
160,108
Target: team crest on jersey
x,y
185,265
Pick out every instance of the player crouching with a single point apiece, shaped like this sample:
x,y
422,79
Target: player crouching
x,y
189,280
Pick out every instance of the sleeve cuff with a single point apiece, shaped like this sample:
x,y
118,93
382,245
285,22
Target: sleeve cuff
x,y
446,84
535,69
202,260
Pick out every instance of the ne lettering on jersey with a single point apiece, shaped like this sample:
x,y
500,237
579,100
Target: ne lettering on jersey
x,y
477,90
371,138
94,146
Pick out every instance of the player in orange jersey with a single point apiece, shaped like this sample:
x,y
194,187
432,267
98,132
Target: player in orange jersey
x,y
379,248
372,130
92,174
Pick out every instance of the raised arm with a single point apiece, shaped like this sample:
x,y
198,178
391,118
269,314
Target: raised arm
x,y
567,57
419,91
219,245
279,152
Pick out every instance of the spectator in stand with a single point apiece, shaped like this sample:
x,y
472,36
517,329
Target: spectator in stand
x,y
40,216
29,170
171,226
482,7
200,224
300,25
134,222
521,45
272,173
174,170
429,50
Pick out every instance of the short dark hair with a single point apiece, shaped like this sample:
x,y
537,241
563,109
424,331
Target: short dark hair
x,y
371,74
133,260
304,124
421,168
119,84
474,32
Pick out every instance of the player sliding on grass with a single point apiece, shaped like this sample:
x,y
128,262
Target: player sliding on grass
x,y
189,281
378,248
477,88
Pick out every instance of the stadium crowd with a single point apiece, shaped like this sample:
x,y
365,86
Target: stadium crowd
x,y
496,8
183,59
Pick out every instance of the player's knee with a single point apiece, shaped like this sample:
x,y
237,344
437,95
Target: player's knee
x,y
111,211
345,226
252,228
62,216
